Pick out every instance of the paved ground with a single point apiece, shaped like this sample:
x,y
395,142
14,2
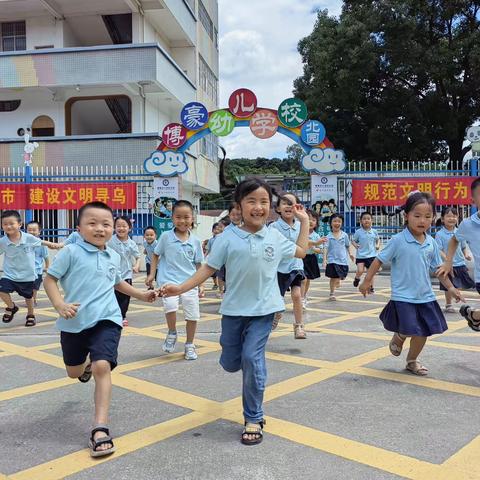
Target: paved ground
x,y
338,405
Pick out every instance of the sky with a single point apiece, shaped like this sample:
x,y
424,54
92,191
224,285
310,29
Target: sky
x,y
258,50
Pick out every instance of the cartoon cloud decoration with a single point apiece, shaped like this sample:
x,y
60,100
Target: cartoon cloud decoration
x,y
166,164
324,161
473,134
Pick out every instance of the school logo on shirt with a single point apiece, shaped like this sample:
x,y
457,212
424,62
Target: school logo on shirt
x,y
27,249
189,252
269,253
111,272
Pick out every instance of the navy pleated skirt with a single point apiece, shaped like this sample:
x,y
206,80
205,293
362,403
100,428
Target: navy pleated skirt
x,y
414,319
461,279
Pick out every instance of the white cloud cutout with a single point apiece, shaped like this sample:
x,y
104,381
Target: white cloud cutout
x,y
324,161
262,56
166,164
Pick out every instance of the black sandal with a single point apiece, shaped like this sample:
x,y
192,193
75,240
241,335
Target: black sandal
x,y
31,321
94,444
253,429
86,375
8,317
466,311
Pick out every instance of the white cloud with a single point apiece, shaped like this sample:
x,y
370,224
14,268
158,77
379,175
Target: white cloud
x,y
166,164
324,161
258,50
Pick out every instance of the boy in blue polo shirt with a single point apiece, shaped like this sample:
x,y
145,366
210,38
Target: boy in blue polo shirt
x,y
90,320
19,273
468,231
41,258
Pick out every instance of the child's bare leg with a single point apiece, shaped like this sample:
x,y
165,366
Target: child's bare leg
x,y
76,371
171,318
360,271
306,287
30,310
416,347
296,294
448,299
7,299
333,283
191,329
103,393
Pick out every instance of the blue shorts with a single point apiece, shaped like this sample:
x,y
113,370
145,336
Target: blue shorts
x,y
24,289
287,281
366,261
100,341
38,282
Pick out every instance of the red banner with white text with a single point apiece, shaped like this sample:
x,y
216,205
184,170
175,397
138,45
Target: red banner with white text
x,y
66,196
394,191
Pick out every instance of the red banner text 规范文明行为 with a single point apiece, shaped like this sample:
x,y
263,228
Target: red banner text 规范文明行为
x,y
66,196
394,191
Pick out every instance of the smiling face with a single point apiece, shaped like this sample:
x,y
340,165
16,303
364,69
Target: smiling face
x,y
33,229
255,209
450,220
182,218
150,235
420,218
235,215
218,229
312,222
11,226
96,226
337,224
286,207
366,222
122,229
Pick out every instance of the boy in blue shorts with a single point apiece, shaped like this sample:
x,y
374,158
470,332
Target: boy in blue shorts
x,y
90,320
468,231
19,273
41,258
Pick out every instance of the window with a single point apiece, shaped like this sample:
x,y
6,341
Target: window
x,y
13,35
208,81
43,126
205,19
9,105
209,146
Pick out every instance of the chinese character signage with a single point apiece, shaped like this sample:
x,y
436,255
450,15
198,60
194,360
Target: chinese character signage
x,y
242,103
394,191
264,124
194,115
66,196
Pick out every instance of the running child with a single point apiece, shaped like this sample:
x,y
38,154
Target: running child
x,y
468,231
176,258
367,243
413,310
90,321
41,258
19,272
310,262
217,229
461,278
252,254
149,243
335,258
130,259
290,270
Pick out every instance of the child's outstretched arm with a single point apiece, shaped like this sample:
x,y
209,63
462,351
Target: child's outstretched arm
x,y
65,310
371,272
153,270
149,296
447,266
202,274
447,283
302,241
53,246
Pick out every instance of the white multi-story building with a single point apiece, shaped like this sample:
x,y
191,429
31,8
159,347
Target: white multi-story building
x,y
96,81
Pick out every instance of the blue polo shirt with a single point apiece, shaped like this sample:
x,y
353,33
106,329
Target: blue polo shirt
x,y
210,244
149,249
443,237
291,233
367,241
128,252
313,237
19,260
412,263
178,260
469,231
337,249
88,276
41,253
252,261
74,237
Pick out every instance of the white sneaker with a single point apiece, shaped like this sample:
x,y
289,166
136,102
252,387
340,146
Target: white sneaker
x,y
169,343
190,352
305,303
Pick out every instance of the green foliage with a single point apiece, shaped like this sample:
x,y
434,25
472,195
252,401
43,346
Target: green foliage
x,y
395,79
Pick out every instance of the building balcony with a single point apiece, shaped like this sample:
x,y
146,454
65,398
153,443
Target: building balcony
x,y
146,64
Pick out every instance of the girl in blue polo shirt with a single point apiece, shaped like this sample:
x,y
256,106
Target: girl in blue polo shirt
x,y
290,271
149,243
335,259
130,259
461,278
413,310
178,255
367,243
251,253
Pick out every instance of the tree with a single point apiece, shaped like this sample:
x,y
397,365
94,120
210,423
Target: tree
x,y
395,79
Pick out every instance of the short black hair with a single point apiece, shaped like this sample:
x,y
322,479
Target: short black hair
x,y
334,216
446,210
88,206
246,187
182,203
34,222
215,225
125,219
225,221
364,214
150,227
232,206
417,198
12,213
475,184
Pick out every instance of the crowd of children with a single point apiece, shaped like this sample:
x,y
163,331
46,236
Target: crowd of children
x,y
254,264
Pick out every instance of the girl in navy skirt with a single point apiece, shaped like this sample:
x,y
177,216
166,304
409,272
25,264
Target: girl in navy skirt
x,y
310,262
461,278
335,259
413,310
